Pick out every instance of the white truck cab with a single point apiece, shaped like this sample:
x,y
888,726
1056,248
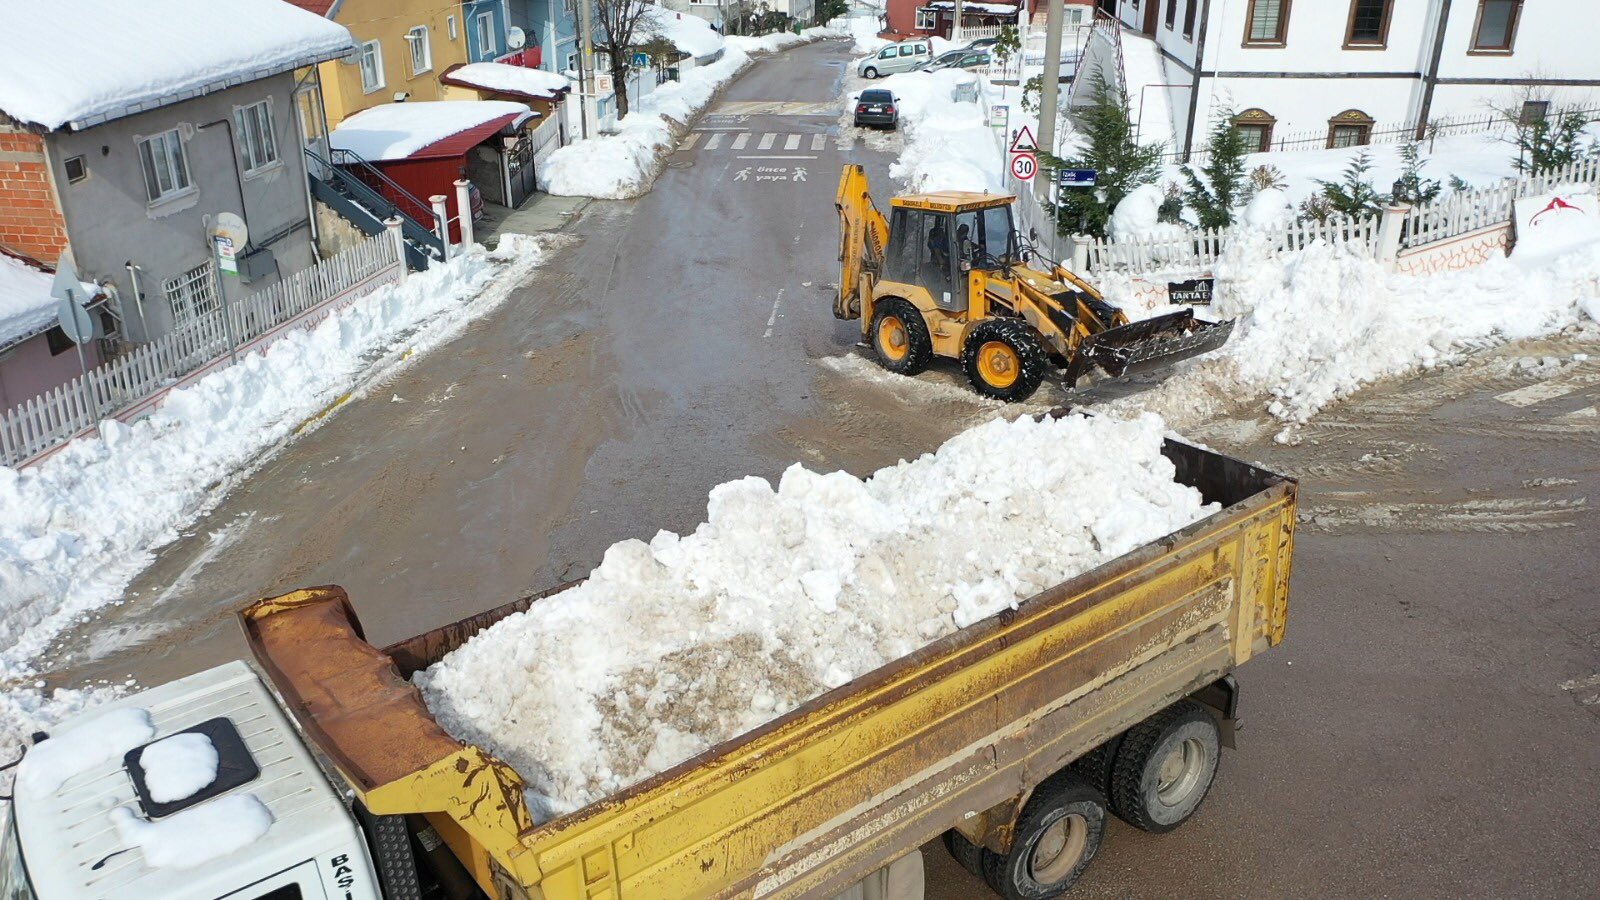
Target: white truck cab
x,y
66,843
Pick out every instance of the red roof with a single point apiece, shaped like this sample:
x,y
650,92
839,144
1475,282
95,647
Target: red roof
x,y
459,143
320,7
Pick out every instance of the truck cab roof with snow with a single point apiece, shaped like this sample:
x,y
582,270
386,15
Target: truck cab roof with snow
x,y
95,820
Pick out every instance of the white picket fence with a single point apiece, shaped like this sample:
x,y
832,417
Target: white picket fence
x,y
1198,250
1464,213
134,383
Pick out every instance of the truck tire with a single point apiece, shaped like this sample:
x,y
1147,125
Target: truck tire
x,y
1004,359
965,852
1054,840
1165,767
1095,766
900,337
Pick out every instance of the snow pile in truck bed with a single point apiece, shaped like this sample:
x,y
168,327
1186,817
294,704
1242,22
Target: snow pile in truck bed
x,y
675,645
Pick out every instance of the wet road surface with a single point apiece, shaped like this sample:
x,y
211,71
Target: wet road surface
x,y
1431,727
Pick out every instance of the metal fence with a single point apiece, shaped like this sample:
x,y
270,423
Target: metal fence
x,y
1466,212
132,385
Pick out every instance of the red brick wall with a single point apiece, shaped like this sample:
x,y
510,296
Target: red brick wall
x,y
30,218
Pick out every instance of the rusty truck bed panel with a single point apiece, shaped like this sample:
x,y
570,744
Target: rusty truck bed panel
x,y
837,787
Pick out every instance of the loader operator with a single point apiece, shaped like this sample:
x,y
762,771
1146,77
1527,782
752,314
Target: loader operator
x,y
939,245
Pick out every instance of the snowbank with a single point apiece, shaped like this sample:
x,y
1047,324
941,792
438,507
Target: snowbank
x,y
948,147
864,31
783,40
675,645
397,130
1269,208
75,529
1317,325
155,50
689,33
1137,217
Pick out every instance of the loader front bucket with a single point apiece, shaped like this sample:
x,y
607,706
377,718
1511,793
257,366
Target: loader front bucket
x,y
1154,343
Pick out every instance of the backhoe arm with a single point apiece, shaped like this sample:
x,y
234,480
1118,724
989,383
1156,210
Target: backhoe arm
x,y
863,233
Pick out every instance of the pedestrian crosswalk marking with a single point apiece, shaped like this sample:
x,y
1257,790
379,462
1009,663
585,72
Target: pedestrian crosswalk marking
x,y
716,139
792,142
690,141
766,141
1545,391
741,140
818,140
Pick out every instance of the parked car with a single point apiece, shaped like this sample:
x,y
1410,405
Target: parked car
x,y
967,59
983,43
901,57
939,62
877,107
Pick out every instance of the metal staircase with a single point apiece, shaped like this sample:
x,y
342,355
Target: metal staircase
x,y
338,182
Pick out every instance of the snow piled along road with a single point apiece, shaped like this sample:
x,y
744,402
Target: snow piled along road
x,y
673,646
76,529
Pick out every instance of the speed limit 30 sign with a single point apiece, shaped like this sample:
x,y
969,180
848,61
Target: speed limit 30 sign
x,y
1024,165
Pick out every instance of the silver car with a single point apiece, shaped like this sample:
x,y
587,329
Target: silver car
x,y
901,57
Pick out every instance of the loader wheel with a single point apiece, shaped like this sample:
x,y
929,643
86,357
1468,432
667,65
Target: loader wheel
x,y
1004,359
1165,767
1055,838
965,852
900,337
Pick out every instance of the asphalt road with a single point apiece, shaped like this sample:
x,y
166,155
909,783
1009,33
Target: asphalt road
x,y
1431,726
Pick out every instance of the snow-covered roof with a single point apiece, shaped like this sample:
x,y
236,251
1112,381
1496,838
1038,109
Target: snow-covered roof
x,y
398,130
150,54
995,9
493,76
690,34
26,307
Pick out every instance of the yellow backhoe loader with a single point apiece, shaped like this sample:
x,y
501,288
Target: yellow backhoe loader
x,y
949,276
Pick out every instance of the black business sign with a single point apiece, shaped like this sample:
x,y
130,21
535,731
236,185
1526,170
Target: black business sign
x,y
1194,292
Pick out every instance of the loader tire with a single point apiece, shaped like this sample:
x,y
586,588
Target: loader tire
x,y
1165,767
965,852
900,337
1055,839
1004,359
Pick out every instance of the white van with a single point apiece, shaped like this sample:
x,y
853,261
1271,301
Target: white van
x,y
901,57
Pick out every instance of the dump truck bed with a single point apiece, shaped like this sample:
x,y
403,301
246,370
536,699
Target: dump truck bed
x,y
955,734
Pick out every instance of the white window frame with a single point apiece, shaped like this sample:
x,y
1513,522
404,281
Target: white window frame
x,y
172,163
253,129
377,82
927,18
450,27
417,38
484,22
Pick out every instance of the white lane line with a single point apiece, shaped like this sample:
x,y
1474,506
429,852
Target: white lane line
x,y
818,140
741,140
774,317
715,142
766,141
780,156
1543,391
690,141
792,142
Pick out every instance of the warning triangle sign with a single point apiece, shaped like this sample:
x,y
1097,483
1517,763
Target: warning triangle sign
x,y
1024,142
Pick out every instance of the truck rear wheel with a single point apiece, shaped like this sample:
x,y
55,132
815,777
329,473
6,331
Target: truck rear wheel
x,y
965,852
1165,767
900,337
1055,838
1004,359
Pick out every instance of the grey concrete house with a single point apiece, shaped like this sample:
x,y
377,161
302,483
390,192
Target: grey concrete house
x,y
191,112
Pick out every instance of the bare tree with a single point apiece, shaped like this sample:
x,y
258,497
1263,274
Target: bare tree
x,y
620,26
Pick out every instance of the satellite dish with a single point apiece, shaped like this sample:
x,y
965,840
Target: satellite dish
x,y
516,38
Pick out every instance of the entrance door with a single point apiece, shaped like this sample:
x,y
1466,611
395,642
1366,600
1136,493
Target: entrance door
x,y
1152,9
520,171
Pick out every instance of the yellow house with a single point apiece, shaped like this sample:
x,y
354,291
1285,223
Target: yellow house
x,y
402,46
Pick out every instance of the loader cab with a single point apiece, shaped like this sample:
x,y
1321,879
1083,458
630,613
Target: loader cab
x,y
935,240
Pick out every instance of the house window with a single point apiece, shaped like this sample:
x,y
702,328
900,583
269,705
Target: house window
x,y
1496,28
1267,23
1188,17
1533,112
485,25
450,26
57,341
572,62
253,132
1256,128
421,53
1172,13
76,169
166,170
371,66
190,295
1369,23
927,18
1351,128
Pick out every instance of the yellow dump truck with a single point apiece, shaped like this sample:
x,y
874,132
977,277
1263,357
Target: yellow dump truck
x,y
1013,739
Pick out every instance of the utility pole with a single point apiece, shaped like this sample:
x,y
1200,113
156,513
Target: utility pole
x,y
955,27
1050,83
591,109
